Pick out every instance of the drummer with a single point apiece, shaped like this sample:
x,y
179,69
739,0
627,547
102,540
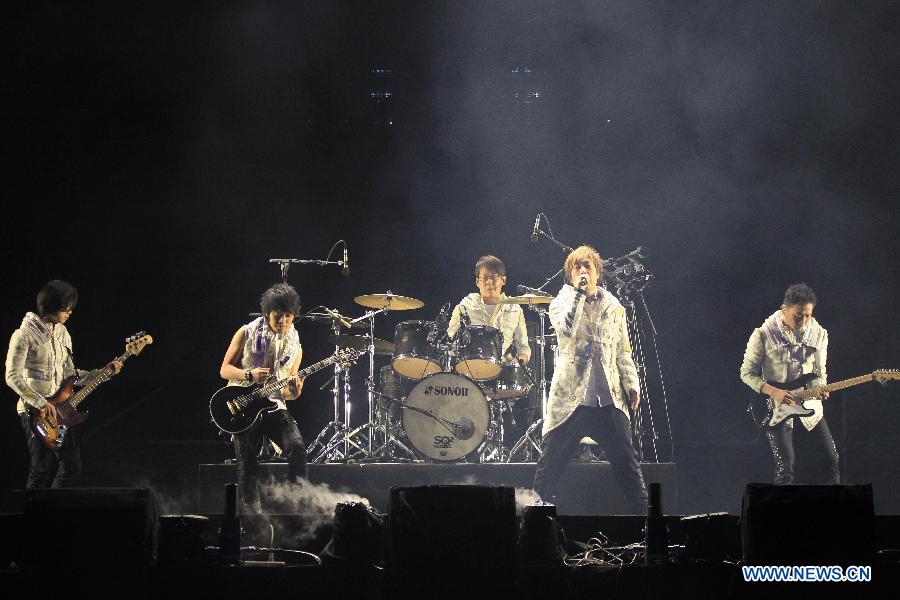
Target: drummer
x,y
482,308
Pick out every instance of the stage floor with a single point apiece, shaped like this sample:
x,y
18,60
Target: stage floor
x,y
587,488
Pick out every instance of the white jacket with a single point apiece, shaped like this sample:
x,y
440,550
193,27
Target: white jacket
x,y
572,372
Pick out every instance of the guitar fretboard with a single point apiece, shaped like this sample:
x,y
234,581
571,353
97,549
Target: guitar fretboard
x,y
104,375
837,385
277,385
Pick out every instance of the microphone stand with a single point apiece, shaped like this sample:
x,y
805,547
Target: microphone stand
x,y
285,263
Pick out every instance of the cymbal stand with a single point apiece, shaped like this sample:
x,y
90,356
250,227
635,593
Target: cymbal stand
x,y
376,429
530,440
337,448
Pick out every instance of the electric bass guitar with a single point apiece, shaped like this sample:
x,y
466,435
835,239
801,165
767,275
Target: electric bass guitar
x,y
236,408
766,413
52,432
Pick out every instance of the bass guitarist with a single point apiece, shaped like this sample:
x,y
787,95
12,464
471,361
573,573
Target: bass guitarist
x,y
268,346
789,344
38,361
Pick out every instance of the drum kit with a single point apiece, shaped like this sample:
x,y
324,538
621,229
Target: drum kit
x,y
440,399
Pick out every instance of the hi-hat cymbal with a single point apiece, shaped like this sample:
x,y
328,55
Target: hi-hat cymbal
x,y
361,342
526,299
388,301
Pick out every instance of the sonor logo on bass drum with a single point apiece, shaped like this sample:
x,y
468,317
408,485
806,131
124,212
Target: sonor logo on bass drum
x,y
443,441
446,390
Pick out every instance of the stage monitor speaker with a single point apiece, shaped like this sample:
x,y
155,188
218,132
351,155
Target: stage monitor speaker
x,y
808,524
98,532
452,538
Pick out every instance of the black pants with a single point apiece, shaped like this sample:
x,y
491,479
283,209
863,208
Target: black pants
x,y
280,427
609,427
815,450
51,468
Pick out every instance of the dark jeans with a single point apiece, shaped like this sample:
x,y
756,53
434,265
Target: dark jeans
x,y
815,449
280,427
51,468
609,427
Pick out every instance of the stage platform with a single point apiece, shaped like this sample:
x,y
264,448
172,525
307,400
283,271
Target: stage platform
x,y
279,575
587,488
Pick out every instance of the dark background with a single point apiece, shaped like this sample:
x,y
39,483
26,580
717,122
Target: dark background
x,y
158,154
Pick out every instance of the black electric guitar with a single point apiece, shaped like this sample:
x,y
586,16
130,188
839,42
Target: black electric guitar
x,y
236,408
52,432
766,413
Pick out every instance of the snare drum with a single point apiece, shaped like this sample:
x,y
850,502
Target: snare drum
x,y
515,382
414,356
479,356
452,417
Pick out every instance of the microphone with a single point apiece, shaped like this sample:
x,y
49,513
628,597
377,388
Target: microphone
x,y
534,232
346,270
465,338
337,317
436,326
582,283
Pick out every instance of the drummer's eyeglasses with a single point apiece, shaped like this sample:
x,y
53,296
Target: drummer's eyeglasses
x,y
487,278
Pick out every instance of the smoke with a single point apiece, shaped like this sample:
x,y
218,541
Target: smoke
x,y
524,497
304,497
313,501
167,502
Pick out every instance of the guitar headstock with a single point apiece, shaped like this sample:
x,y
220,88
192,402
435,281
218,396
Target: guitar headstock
x,y
882,376
348,356
136,343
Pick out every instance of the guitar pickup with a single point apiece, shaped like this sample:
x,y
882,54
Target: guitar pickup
x,y
232,407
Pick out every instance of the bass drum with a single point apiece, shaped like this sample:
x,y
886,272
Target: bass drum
x,y
446,417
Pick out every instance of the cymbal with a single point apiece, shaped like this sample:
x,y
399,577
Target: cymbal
x,y
327,319
526,299
361,342
388,301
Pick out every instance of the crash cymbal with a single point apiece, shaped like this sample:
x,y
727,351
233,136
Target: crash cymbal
x,y
388,301
361,342
526,299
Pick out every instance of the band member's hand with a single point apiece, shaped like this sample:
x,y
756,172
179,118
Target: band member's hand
x,y
49,413
823,394
115,365
293,389
259,374
635,399
783,397
523,358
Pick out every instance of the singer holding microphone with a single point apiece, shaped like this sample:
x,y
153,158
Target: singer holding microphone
x,y
268,346
594,383
481,308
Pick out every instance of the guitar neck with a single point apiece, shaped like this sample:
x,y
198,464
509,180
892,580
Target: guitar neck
x,y
277,385
837,385
104,375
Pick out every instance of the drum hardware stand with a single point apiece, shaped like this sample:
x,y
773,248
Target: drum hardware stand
x,y
331,450
391,443
493,448
528,439
366,433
